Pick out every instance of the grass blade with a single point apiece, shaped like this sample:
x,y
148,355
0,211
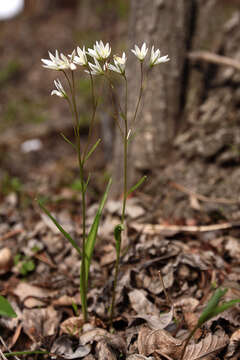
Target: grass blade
x,y
211,306
67,140
224,306
134,187
91,239
92,150
60,228
118,237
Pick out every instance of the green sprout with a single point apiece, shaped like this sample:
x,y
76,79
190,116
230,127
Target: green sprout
x,y
211,310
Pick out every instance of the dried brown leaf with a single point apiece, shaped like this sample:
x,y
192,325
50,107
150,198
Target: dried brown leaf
x,y
24,290
63,347
157,322
91,335
210,345
152,340
187,303
104,351
141,304
40,322
72,326
233,344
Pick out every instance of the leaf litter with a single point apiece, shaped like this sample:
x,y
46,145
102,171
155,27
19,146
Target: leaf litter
x,y
46,306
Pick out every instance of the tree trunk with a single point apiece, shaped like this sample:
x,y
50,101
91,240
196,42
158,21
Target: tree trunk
x,y
176,89
167,25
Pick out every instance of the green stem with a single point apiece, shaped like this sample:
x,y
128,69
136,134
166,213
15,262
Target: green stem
x,y
125,192
83,285
139,96
116,268
125,155
94,109
115,105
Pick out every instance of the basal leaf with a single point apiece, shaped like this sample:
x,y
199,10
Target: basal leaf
x,y
118,237
134,187
6,308
60,228
92,150
211,306
224,306
91,239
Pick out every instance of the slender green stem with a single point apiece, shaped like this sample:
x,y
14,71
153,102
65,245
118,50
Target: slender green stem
x,y
125,154
115,105
125,192
94,109
116,268
139,96
83,285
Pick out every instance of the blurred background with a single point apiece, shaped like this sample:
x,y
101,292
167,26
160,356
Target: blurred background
x,y
30,119
189,118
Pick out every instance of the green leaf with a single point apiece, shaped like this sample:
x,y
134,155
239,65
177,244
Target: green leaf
x,y
6,308
68,141
224,306
134,187
118,237
92,150
211,306
30,265
91,239
60,228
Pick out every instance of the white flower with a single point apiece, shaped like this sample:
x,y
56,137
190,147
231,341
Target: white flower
x,y
156,58
100,51
96,69
60,90
120,64
140,54
69,62
59,62
81,59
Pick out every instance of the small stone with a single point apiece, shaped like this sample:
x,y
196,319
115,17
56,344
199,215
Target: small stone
x,y
6,260
183,272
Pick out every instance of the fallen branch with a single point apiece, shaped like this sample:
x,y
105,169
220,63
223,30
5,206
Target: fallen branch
x,y
202,197
214,59
10,234
152,229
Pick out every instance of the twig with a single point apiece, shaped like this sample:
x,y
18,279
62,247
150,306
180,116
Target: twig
x,y
214,59
202,197
152,229
168,298
10,234
4,344
2,355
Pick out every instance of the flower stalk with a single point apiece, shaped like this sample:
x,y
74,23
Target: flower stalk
x,y
99,66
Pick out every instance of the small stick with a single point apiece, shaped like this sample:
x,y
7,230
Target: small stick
x,y
169,300
4,344
202,197
153,229
209,57
10,234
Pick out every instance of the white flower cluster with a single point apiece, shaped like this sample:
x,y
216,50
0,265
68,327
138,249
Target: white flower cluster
x,y
100,54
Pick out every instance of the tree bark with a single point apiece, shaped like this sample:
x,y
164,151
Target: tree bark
x,y
167,25
175,90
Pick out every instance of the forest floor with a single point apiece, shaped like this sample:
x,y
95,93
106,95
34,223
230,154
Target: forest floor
x,y
181,241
